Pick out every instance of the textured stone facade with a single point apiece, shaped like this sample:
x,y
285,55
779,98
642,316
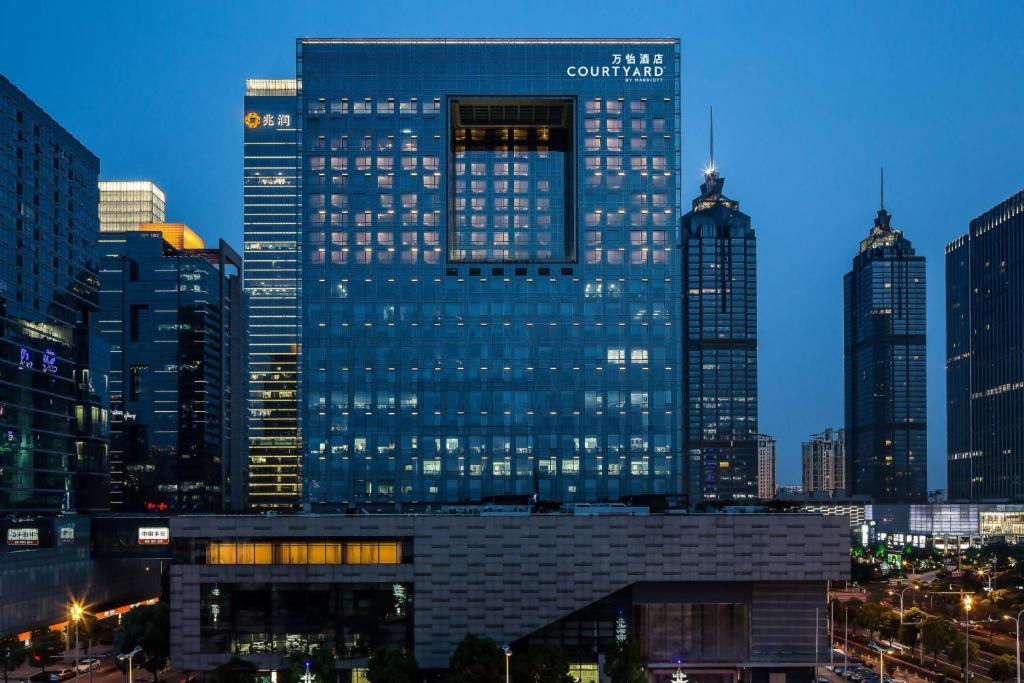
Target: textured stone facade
x,y
506,577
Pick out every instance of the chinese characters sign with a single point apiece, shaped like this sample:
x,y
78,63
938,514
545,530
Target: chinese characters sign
x,y
154,535
256,120
23,537
643,67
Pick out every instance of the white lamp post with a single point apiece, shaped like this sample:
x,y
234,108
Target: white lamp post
x,y
1016,620
130,656
508,655
75,613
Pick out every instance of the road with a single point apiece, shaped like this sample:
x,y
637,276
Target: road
x,y
106,673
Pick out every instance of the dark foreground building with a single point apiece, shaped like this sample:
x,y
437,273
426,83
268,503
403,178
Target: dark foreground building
x,y
985,356
490,278
173,314
53,377
884,359
728,596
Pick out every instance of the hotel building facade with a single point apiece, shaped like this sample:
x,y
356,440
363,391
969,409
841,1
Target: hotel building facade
x,y
489,271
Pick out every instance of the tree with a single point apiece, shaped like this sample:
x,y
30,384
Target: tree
x,y
476,660
45,644
235,670
1002,667
147,627
888,625
956,651
934,637
391,665
12,653
624,663
544,663
321,664
869,617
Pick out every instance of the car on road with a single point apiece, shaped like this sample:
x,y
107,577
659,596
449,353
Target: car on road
x,y
88,664
52,676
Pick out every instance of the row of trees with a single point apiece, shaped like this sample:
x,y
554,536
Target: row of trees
x,y
934,634
475,660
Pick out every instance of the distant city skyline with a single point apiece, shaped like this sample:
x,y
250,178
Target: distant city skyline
x,y
920,91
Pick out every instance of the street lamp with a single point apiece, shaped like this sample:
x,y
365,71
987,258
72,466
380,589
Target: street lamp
x,y
130,656
967,637
913,587
1016,621
508,655
75,612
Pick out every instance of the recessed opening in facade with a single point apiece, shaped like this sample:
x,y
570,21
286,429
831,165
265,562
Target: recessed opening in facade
x,y
511,183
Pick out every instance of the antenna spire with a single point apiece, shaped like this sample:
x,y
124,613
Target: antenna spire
x,y
881,188
712,138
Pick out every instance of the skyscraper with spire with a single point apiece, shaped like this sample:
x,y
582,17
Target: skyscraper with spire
x,y
884,364
719,252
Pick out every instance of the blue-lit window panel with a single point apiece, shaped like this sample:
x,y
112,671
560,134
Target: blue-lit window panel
x,y
435,374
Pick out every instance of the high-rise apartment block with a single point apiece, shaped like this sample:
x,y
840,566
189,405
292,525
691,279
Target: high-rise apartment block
x,y
272,238
884,357
173,314
126,204
490,289
765,466
719,321
53,378
985,356
824,463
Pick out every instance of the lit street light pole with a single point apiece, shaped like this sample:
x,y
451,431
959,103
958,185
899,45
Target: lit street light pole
x,y
967,638
508,655
1016,621
130,656
76,616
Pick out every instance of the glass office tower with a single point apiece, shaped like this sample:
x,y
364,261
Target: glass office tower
x,y
53,379
490,297
985,356
271,282
719,260
884,359
126,204
173,316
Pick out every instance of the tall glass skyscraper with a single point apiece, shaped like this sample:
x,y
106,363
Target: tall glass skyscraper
x,y
272,236
719,318
53,374
490,284
884,359
172,312
985,356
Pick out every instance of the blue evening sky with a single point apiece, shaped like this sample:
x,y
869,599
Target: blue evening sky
x,y
810,99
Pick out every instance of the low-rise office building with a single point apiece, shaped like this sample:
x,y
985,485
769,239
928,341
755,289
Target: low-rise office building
x,y
725,597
